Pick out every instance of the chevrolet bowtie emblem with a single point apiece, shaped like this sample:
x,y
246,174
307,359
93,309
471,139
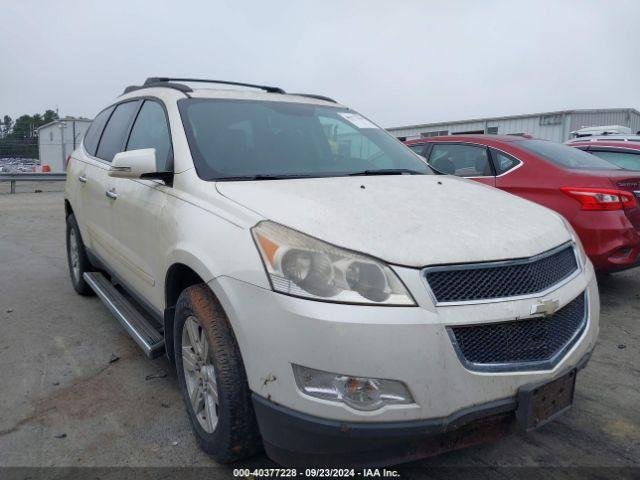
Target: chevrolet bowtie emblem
x,y
546,306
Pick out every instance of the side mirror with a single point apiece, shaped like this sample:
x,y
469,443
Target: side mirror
x,y
137,164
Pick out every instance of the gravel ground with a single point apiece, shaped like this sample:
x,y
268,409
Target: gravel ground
x,y
75,390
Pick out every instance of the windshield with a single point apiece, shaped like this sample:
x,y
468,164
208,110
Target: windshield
x,y
244,139
564,156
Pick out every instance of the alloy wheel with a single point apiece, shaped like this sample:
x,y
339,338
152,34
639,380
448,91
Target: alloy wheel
x,y
199,374
74,255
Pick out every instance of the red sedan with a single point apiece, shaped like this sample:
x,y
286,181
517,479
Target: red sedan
x,y
595,196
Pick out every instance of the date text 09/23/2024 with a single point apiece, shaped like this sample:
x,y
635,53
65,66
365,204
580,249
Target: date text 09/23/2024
x,y
316,472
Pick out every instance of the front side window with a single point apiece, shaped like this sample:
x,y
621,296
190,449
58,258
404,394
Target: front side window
x,y
419,149
460,160
564,156
92,137
151,130
242,139
626,160
113,138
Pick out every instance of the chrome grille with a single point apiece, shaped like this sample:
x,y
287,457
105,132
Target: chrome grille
x,y
521,344
512,278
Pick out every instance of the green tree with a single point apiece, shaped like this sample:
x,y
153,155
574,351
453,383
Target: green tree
x,y
7,123
23,127
19,138
49,116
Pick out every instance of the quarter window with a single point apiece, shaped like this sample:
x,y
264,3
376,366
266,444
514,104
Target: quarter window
x,y
503,163
150,130
113,138
92,137
460,160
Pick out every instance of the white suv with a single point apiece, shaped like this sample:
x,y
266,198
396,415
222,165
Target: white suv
x,y
321,291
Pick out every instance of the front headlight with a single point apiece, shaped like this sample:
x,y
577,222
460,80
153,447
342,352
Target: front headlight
x,y
300,265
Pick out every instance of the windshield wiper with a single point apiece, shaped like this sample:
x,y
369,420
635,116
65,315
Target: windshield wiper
x,y
263,177
386,171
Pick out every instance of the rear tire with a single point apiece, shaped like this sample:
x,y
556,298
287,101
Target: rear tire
x,y
212,378
77,258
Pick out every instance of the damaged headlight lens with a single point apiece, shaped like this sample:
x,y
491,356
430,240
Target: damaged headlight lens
x,y
301,265
360,393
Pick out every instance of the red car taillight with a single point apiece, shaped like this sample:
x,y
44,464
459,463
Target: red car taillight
x,y
601,198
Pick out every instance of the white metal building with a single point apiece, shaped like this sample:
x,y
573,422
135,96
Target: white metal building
x,y
57,139
556,126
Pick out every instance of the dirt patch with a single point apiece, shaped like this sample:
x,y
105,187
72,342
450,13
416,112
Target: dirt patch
x,y
86,397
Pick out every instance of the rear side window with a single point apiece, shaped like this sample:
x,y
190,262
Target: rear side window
x,y
503,163
460,160
92,137
151,130
115,132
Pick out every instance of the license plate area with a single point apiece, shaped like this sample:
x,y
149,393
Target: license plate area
x,y
541,403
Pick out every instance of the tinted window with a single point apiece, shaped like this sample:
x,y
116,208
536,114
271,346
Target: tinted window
x,y
92,137
113,138
627,160
460,160
245,138
417,148
150,130
564,156
502,162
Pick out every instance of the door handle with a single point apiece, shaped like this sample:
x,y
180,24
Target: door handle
x,y
82,179
111,193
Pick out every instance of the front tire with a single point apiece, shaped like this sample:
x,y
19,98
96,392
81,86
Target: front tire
x,y
212,378
77,258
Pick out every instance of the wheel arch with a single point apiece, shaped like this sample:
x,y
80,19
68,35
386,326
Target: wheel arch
x,y
68,210
179,276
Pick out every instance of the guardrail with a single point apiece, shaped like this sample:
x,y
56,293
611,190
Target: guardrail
x,y
31,177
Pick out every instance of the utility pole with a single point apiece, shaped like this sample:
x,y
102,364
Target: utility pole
x,y
62,126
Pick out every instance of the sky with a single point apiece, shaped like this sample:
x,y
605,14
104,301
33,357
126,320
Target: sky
x,y
399,62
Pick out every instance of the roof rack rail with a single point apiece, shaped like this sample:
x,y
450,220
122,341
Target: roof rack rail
x,y
176,86
170,82
317,97
163,80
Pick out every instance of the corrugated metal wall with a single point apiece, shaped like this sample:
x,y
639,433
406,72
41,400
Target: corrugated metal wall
x,y
564,123
505,126
627,118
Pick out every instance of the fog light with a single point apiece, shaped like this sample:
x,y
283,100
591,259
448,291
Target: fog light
x,y
360,393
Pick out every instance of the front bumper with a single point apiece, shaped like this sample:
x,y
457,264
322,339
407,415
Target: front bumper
x,y
408,344
300,440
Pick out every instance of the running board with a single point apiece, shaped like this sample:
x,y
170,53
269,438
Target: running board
x,y
141,330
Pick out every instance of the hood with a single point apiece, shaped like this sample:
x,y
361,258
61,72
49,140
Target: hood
x,y
410,220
